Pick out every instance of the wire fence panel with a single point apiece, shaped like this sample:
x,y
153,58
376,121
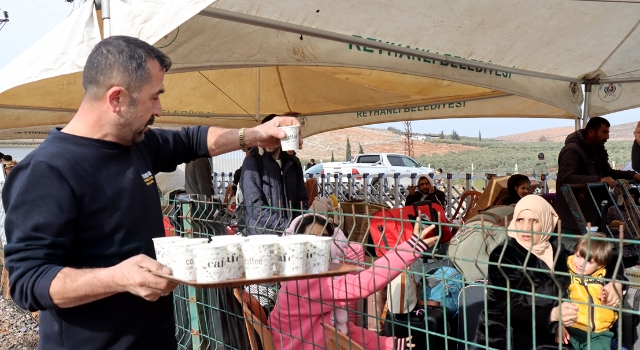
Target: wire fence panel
x,y
452,295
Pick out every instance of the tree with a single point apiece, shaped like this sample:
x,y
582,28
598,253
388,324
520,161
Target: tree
x,y
441,136
361,151
333,160
348,150
479,136
454,135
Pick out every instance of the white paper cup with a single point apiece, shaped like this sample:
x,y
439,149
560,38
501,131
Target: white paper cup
x,y
235,261
210,262
318,254
293,257
290,141
177,250
182,266
161,244
259,258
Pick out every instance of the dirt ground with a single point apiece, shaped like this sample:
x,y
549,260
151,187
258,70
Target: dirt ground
x,y
18,328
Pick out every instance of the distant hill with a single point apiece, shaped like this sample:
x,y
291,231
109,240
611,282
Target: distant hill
x,y
618,132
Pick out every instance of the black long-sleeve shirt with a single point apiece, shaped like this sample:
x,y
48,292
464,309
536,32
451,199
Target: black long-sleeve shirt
x,y
85,203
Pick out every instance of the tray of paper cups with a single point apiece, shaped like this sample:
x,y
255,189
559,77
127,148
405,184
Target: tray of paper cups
x,y
230,261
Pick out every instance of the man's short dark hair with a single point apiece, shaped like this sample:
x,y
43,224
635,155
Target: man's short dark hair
x,y
313,160
7,158
595,123
540,155
120,61
268,118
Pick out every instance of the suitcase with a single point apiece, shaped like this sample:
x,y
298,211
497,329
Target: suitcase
x,y
631,322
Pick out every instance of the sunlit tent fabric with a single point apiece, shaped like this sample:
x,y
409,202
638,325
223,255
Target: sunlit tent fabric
x,y
224,69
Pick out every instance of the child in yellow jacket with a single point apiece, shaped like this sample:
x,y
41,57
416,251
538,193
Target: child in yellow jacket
x,y
587,267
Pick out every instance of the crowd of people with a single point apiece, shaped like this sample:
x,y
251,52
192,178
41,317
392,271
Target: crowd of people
x,y
86,260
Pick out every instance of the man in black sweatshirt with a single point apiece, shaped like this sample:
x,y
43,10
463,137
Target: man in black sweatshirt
x,y
82,208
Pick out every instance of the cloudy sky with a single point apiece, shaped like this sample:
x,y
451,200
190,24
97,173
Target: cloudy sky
x,y
29,20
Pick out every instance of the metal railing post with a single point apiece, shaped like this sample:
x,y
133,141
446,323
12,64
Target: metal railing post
x,y
350,185
215,182
322,192
414,176
396,191
336,185
380,188
365,187
468,184
449,195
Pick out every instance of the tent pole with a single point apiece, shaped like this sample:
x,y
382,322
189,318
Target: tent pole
x,y
587,101
258,94
325,34
106,18
577,123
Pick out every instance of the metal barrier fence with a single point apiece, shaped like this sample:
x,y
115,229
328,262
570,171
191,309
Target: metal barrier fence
x,y
322,313
388,189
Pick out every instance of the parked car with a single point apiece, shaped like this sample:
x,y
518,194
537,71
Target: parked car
x,y
376,163
315,170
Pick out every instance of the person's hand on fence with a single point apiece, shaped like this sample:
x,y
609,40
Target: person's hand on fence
x,y
565,335
609,180
569,314
268,134
610,294
133,275
431,241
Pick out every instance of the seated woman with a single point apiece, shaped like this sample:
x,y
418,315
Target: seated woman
x,y
518,186
526,251
302,306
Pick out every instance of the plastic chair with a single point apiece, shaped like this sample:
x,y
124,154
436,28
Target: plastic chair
x,y
337,340
255,319
473,197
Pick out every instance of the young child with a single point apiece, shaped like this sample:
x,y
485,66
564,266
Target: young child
x,y
587,265
302,306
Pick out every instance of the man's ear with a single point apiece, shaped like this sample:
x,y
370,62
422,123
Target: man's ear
x,y
116,98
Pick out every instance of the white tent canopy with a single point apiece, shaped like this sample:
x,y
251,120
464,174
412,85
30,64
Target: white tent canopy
x,y
356,62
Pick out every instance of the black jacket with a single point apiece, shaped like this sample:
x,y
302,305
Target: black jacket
x,y
579,163
521,308
437,197
278,188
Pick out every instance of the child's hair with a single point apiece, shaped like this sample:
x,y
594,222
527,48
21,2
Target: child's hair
x,y
314,219
597,251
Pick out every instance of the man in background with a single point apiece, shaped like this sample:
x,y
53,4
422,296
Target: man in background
x,y
426,192
583,160
272,185
540,167
311,163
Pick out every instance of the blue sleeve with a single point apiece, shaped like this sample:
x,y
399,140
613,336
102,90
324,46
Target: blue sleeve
x,y
259,218
169,148
40,208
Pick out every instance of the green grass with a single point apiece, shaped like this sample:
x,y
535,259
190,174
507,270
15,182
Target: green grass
x,y
501,156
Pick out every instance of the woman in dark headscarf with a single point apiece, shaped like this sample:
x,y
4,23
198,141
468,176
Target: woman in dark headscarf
x,y
518,186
